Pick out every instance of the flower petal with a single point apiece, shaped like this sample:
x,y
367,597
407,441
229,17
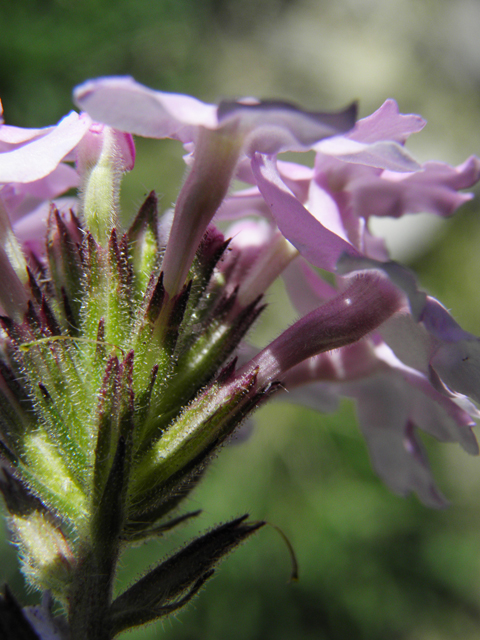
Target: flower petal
x,y
319,397
401,276
432,190
272,126
458,365
266,127
316,243
396,454
41,156
11,137
305,288
21,199
381,155
123,103
386,123
30,229
243,204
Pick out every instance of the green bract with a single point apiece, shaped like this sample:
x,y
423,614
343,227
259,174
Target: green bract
x,y
111,410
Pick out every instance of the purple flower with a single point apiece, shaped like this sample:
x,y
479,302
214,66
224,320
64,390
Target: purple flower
x,y
221,136
417,370
257,255
414,361
363,173
365,304
425,336
32,172
35,168
394,397
28,155
119,374
265,127
393,402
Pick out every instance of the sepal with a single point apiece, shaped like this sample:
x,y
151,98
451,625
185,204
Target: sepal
x,y
18,498
109,515
115,425
65,265
143,516
118,281
135,532
203,296
185,448
155,297
199,362
15,408
143,241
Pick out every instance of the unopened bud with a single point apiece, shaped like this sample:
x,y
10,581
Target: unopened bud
x,y
48,560
103,156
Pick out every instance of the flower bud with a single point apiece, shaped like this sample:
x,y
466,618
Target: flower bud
x,y
103,155
48,558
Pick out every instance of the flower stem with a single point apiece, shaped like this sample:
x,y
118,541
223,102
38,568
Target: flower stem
x,y
91,592
90,597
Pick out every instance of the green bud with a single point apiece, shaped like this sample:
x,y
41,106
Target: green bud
x,y
103,155
47,557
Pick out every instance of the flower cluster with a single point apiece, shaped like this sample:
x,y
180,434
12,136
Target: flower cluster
x,y
119,376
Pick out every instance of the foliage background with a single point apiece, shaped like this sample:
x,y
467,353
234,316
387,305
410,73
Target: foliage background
x,y
372,565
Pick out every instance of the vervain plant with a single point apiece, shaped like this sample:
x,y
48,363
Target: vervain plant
x,y
119,377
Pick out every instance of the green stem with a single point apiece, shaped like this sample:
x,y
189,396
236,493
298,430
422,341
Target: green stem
x,y
90,596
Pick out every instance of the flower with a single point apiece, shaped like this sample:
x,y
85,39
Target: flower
x,y
119,378
324,213
35,168
418,358
265,127
394,397
361,174
221,136
392,403
424,335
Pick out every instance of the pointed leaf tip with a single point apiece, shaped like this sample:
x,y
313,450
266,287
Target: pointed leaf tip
x,y
173,583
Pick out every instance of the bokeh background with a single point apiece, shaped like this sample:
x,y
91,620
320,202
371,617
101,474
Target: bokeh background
x,y
373,566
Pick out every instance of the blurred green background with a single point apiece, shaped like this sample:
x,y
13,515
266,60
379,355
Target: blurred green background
x,y
372,565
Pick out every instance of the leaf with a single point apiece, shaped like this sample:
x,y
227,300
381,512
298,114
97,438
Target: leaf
x,y
173,583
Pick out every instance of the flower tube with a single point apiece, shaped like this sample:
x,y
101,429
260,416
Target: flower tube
x,y
221,136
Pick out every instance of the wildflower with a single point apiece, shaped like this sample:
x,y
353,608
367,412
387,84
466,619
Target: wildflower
x,y
355,177
325,213
392,377
221,136
118,377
